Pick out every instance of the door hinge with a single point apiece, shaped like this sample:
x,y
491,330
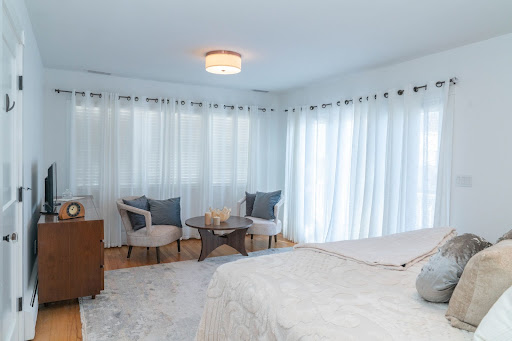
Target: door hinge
x,y
20,303
20,82
20,192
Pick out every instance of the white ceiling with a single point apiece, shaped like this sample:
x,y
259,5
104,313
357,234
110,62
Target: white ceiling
x,y
284,43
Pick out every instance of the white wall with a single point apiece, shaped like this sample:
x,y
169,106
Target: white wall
x,y
56,111
483,123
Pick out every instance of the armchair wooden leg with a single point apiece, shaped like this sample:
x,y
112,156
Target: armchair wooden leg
x,y
157,254
129,251
275,238
252,236
269,241
179,246
147,248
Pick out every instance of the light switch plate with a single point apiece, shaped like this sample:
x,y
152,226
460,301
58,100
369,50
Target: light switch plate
x,y
464,181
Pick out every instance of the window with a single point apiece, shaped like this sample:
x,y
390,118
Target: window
x,y
88,153
145,146
243,150
428,166
191,126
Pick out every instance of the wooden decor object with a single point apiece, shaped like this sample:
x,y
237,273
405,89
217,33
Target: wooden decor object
x,y
71,210
70,255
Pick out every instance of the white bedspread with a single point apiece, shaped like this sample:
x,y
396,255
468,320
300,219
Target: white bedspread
x,y
311,295
397,251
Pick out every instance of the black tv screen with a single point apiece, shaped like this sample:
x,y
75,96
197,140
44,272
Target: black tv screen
x,y
50,189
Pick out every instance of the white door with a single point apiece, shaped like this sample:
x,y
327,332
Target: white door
x,y
10,180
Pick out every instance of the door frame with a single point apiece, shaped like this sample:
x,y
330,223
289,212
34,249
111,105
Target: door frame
x,y
8,13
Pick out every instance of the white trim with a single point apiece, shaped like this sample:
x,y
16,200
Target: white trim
x,y
21,238
14,20
30,311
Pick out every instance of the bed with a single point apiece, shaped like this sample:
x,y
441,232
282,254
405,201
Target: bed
x,y
350,290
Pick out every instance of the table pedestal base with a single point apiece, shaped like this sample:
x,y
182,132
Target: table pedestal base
x,y
210,241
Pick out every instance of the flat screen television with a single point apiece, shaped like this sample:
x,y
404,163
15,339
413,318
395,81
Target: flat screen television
x,y
50,189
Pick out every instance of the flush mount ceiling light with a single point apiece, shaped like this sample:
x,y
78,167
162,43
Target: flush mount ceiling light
x,y
223,62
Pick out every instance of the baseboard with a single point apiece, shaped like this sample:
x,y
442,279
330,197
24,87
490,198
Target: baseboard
x,y
31,306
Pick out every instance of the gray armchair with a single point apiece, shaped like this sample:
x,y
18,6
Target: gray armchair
x,y
263,226
149,236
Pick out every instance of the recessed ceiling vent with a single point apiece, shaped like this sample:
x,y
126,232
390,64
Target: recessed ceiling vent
x,y
99,72
263,91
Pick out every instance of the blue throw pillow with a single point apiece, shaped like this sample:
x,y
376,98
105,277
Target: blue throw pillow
x,y
165,212
249,203
137,220
264,204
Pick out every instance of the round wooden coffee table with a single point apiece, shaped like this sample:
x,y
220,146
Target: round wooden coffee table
x,y
210,241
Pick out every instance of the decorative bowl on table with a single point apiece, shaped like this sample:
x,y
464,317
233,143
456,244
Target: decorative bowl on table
x,y
222,214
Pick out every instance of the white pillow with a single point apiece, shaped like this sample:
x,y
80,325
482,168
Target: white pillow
x,y
497,324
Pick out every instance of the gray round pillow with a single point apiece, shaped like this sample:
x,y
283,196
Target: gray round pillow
x,y
441,274
506,236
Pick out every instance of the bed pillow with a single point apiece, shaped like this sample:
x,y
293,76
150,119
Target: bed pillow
x,y
137,220
249,203
441,274
165,212
506,236
497,324
264,204
486,277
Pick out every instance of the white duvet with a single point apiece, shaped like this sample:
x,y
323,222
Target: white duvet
x,y
311,295
397,251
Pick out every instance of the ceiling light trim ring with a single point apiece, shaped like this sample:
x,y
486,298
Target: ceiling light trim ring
x,y
232,53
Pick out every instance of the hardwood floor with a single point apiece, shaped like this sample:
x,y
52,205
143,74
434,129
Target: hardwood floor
x,y
61,320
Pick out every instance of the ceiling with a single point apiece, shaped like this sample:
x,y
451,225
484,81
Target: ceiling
x,y
284,43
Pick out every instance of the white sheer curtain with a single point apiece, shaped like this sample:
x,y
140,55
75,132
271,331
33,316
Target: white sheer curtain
x,y
93,156
266,136
373,167
161,148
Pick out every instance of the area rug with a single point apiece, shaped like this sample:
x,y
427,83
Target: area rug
x,y
154,302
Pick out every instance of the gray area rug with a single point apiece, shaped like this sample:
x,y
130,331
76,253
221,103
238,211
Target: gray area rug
x,y
154,302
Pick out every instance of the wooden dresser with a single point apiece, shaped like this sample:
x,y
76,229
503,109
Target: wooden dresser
x,y
70,255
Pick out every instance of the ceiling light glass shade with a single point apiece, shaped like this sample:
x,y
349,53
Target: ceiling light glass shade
x,y
223,62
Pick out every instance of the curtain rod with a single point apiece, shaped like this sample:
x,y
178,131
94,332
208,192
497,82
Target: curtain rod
x,y
439,84
128,98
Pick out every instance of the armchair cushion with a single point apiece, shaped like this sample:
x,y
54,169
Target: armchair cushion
x,y
264,226
264,204
165,212
249,203
160,235
138,221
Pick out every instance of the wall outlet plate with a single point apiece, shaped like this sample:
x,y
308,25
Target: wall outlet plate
x,y
464,181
